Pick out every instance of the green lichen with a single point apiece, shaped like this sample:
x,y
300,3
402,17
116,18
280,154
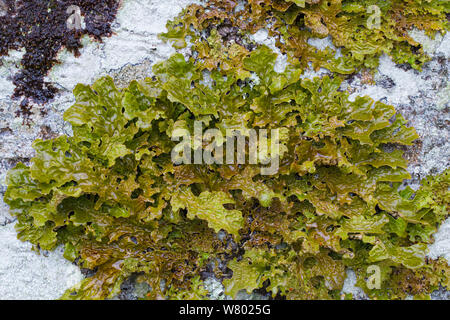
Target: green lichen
x,y
114,198
362,30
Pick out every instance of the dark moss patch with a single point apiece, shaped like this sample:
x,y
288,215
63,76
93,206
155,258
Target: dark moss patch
x,y
40,27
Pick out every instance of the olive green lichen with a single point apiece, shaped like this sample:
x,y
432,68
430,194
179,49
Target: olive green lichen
x,y
113,197
362,30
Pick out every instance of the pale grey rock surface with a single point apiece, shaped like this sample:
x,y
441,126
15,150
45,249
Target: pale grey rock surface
x,y
351,288
441,246
422,97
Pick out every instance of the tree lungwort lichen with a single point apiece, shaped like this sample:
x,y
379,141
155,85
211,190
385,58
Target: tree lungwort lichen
x,y
111,195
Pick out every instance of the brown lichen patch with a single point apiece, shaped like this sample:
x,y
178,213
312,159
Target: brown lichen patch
x,y
40,27
24,111
412,153
123,76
